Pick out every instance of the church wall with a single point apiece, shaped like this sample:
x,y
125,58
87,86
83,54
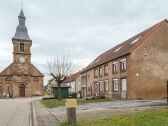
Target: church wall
x,y
21,79
37,86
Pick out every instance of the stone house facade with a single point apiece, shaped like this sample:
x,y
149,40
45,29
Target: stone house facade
x,y
21,78
134,69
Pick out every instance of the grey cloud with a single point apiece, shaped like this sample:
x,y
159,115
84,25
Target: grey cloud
x,y
85,28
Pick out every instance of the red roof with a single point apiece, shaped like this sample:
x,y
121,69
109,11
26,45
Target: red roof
x,y
72,77
124,48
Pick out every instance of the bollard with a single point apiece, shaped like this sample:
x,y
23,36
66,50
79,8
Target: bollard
x,y
71,105
167,92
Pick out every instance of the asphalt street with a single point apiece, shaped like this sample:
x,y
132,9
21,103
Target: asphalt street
x,y
113,105
15,112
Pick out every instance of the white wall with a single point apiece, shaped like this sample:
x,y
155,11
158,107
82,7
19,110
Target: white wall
x,y
72,84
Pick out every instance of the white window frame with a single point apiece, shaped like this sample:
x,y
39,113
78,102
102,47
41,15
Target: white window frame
x,y
101,71
106,85
106,70
115,67
123,65
115,84
101,86
96,89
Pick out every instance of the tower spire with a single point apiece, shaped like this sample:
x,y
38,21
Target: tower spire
x,y
21,30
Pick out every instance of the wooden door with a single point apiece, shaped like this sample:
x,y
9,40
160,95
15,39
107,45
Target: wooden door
x,y
22,91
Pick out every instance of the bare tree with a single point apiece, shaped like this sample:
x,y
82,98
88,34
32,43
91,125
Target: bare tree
x,y
59,68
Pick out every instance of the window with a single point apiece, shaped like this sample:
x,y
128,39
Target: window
x,y
118,49
106,85
136,40
22,47
101,86
106,70
115,68
36,79
123,65
115,82
88,75
95,73
8,79
100,72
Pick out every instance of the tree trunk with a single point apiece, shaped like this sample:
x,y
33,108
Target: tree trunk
x,y
59,92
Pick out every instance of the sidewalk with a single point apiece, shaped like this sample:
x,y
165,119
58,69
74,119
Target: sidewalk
x,y
41,115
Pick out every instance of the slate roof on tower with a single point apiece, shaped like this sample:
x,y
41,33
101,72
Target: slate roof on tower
x,y
123,48
21,30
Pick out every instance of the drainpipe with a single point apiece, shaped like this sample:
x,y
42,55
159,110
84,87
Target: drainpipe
x,y
86,86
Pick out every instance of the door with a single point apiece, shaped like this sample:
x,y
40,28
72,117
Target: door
x,y
92,90
96,89
124,88
84,92
22,91
64,92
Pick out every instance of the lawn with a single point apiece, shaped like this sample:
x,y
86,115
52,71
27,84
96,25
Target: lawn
x,y
51,103
147,119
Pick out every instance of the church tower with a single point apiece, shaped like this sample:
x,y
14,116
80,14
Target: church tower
x,y
21,78
21,47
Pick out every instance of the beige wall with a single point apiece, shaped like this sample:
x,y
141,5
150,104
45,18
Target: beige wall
x,y
150,61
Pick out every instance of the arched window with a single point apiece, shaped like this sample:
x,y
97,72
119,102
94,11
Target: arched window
x,y
8,79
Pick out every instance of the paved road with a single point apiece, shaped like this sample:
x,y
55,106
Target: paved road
x,y
113,105
15,112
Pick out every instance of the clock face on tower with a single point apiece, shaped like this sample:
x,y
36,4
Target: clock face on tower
x,y
22,59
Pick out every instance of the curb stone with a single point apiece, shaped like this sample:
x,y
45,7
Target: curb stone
x,y
33,115
51,113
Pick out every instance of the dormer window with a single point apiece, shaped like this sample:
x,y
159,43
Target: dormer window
x,y
21,47
118,49
136,40
8,79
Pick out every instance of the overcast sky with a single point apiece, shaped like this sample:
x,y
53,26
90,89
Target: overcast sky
x,y
84,28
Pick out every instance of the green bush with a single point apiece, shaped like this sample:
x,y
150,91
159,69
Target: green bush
x,y
73,95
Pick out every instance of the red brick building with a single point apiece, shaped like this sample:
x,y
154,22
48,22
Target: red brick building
x,y
134,69
21,78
